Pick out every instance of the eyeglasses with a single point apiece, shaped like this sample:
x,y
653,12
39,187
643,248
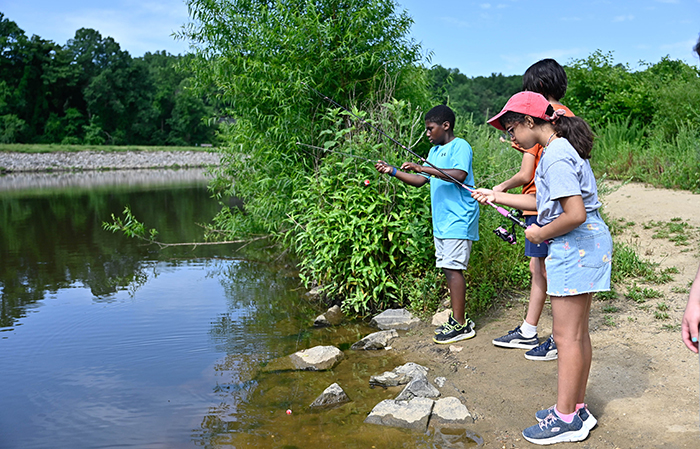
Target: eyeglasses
x,y
511,131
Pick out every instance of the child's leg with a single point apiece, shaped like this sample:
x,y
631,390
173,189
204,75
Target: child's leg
x,y
458,289
538,291
570,330
588,355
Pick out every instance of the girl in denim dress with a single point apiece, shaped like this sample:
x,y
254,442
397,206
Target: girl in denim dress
x,y
579,255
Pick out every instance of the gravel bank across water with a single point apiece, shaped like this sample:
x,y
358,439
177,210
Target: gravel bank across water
x,y
96,160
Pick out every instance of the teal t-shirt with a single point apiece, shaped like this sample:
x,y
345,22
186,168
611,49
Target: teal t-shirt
x,y
455,212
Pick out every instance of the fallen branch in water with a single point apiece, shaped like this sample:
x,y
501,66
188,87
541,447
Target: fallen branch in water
x,y
131,227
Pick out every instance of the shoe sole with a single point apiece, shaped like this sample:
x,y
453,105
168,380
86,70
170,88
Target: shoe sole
x,y
547,358
568,437
456,338
512,345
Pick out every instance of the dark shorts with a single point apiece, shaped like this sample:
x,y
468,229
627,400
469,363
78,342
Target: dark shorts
x,y
532,250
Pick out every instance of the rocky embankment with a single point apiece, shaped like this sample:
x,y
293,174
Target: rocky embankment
x,y
97,160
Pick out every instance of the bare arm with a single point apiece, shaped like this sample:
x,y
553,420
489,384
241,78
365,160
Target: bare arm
x,y
408,178
691,317
516,200
524,175
459,175
573,216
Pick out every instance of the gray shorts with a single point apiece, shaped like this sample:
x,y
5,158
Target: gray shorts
x,y
452,253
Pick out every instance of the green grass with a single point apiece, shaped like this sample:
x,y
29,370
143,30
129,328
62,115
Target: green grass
x,y
54,148
640,295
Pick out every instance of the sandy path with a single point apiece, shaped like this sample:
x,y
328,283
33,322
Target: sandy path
x,y
644,383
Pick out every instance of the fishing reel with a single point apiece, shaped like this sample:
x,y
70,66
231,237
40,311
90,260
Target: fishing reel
x,y
509,236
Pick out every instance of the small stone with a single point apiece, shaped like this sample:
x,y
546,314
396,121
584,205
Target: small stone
x,y
331,396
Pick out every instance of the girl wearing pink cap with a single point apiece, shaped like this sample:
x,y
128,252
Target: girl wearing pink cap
x,y
579,253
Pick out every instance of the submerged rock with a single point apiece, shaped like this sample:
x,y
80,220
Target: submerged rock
x,y
412,414
332,317
377,340
331,396
395,319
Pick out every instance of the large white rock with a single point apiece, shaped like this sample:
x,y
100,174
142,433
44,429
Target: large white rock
x,y
450,412
395,319
318,358
413,414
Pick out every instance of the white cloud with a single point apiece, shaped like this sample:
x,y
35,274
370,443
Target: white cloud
x,y
485,5
623,18
679,46
456,22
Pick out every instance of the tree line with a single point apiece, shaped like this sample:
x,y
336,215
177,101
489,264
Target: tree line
x,y
90,91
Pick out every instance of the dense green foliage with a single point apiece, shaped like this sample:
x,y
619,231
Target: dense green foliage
x,y
89,91
264,59
647,121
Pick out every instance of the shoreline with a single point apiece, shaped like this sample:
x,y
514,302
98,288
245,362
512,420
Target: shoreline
x,y
104,161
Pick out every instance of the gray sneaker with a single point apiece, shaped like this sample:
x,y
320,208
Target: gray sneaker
x,y
553,429
589,421
546,351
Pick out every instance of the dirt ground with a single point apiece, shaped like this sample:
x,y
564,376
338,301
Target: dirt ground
x,y
644,384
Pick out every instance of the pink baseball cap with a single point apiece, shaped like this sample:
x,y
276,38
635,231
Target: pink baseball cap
x,y
528,103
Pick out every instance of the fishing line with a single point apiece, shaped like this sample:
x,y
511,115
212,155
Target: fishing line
x,y
350,155
500,209
337,152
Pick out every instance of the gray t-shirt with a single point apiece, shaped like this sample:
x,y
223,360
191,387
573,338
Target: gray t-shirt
x,y
562,173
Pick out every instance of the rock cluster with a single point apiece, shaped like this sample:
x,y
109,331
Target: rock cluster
x,y
416,407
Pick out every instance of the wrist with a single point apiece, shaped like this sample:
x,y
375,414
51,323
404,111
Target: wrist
x,y
393,171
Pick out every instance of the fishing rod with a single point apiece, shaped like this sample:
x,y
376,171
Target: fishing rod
x,y
348,154
500,209
337,152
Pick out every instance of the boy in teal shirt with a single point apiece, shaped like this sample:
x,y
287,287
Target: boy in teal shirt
x,y
455,213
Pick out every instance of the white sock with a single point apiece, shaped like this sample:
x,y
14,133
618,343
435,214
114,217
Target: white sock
x,y
528,330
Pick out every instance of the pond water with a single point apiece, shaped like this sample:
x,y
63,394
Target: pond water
x,y
107,343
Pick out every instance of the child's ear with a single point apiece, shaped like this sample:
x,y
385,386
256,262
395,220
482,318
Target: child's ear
x,y
446,125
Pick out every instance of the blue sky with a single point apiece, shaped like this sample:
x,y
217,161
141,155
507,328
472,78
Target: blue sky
x,y
477,37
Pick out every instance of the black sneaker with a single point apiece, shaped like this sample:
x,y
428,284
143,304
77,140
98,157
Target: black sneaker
x,y
450,321
452,333
545,352
515,339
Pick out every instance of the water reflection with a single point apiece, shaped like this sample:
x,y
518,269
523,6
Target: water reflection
x,y
108,343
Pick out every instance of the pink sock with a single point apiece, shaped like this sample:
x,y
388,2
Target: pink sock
x,y
566,418
580,406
